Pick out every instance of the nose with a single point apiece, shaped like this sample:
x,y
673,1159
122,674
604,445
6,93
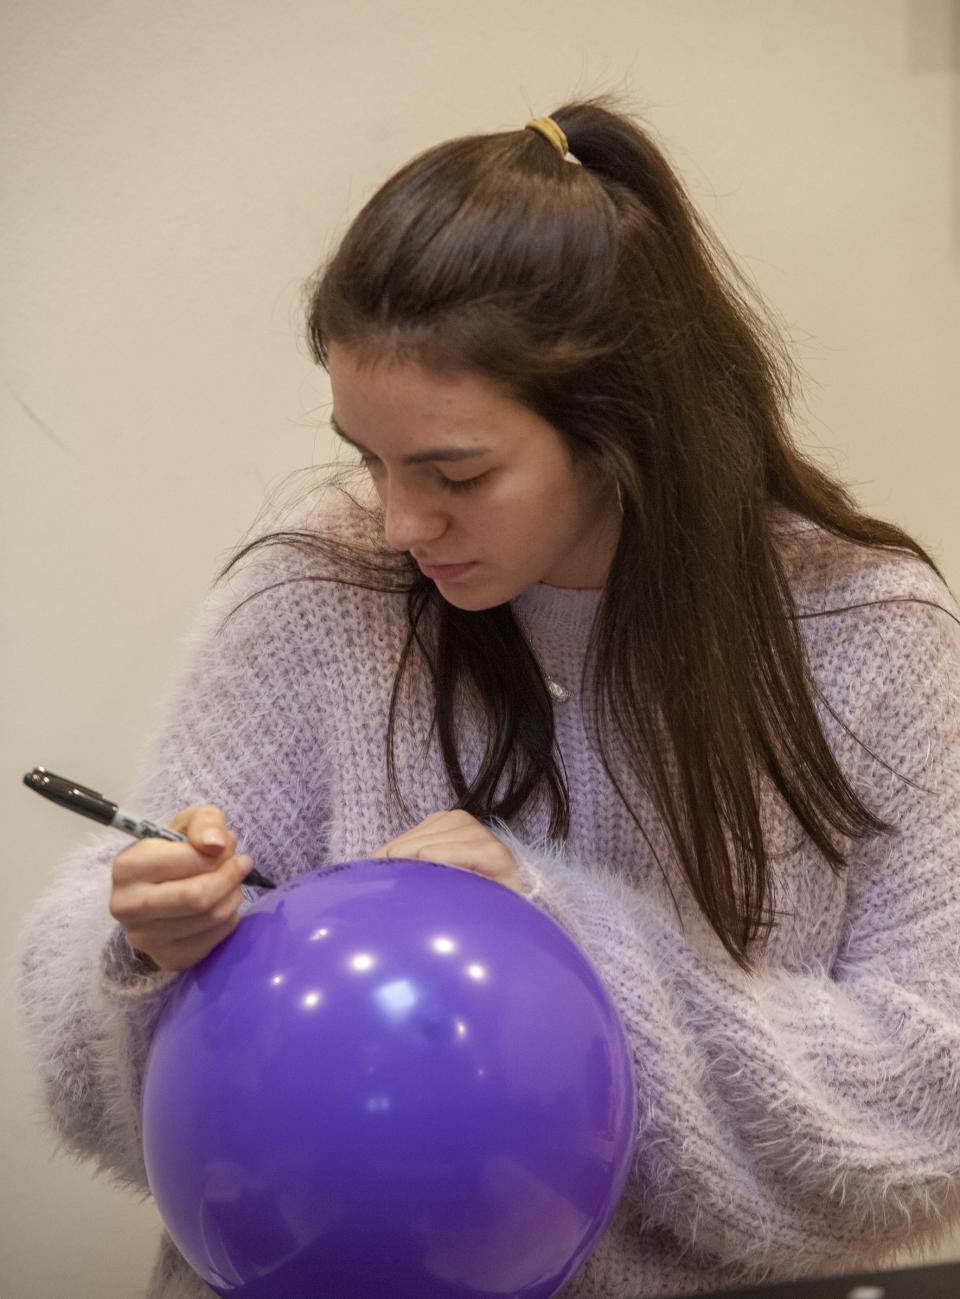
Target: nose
x,y
411,519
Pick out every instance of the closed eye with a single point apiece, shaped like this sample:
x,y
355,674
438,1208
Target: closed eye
x,y
371,463
462,484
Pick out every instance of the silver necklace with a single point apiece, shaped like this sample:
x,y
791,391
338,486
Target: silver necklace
x,y
555,689
558,693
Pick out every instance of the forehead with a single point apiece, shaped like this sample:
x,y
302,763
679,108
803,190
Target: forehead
x,y
364,377
380,397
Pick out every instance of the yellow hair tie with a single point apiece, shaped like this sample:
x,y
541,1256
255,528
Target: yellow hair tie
x,y
548,128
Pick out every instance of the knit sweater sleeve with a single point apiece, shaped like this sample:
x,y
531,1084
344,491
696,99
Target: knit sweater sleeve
x,y
806,1117
246,734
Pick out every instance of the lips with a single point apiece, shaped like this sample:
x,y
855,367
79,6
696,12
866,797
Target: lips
x,y
445,572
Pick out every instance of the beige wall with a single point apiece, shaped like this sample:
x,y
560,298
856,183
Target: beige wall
x,y
171,172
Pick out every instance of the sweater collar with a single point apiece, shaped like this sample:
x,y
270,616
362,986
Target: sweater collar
x,y
557,622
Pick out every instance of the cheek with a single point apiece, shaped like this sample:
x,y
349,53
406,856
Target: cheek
x,y
544,487
512,521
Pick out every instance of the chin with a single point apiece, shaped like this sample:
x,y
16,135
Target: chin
x,y
475,601
471,603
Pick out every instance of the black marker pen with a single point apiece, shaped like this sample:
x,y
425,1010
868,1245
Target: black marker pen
x,y
87,802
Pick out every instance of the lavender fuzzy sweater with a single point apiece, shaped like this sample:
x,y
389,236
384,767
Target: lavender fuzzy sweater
x,y
802,1119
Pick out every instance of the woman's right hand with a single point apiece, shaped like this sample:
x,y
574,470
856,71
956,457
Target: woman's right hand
x,y
176,901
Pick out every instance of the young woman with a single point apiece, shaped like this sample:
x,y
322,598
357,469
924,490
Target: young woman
x,y
599,631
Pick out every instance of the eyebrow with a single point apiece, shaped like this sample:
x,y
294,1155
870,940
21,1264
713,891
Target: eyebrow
x,y
418,457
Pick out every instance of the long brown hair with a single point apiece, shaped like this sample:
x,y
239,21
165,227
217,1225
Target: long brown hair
x,y
596,295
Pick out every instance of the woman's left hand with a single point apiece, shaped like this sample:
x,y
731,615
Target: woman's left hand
x,y
457,839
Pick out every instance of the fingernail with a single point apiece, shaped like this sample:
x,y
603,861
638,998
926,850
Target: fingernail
x,y
213,837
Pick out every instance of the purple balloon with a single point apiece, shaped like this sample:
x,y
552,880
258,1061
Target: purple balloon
x,y
395,1080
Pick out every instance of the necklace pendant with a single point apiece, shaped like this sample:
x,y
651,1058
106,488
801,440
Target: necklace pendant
x,y
558,693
